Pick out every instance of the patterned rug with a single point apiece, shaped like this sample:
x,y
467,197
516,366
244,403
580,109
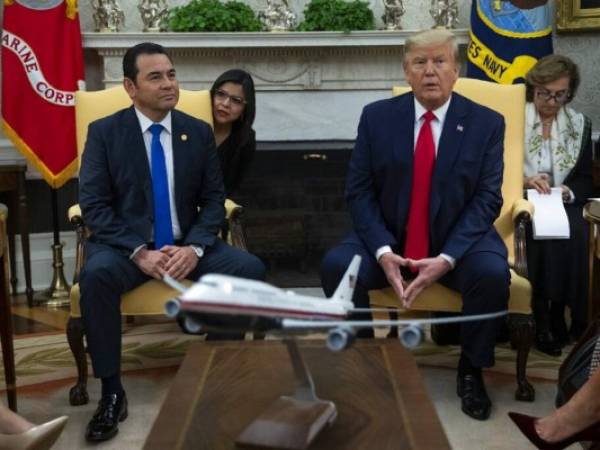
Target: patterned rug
x,y
43,358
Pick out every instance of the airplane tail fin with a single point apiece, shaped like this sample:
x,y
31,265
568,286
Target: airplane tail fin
x,y
345,289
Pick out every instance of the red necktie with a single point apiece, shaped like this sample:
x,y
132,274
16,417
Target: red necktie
x,y
417,231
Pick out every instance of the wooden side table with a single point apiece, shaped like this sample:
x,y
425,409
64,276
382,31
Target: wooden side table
x,y
12,180
6,334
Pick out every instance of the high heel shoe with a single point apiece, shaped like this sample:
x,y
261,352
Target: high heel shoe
x,y
40,437
527,426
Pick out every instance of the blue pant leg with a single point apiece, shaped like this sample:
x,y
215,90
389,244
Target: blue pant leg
x,y
483,279
225,259
370,276
105,276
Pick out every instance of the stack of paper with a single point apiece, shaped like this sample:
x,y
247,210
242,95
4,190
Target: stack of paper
x,y
550,219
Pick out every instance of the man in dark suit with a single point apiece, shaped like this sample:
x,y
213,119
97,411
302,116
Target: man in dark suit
x,y
152,195
423,189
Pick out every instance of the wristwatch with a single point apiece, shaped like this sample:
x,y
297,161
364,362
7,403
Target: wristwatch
x,y
199,250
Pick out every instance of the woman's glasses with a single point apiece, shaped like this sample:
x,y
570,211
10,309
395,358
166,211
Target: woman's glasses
x,y
222,96
559,96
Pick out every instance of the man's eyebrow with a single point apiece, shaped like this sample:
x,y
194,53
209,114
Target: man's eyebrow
x,y
158,72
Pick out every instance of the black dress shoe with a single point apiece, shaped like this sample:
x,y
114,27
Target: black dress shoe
x,y
546,343
112,409
475,401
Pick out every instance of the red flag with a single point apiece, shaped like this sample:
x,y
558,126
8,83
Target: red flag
x,y
42,63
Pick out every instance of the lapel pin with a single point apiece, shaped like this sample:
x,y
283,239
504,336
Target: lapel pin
x,y
459,127
184,137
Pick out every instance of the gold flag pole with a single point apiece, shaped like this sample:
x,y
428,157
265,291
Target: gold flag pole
x,y
58,293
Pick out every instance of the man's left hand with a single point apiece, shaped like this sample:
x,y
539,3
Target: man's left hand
x,y
430,270
182,260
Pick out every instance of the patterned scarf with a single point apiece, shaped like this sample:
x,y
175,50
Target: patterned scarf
x,y
565,141
595,358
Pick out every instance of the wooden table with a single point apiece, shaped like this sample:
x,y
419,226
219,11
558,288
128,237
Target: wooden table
x,y
6,334
12,180
221,387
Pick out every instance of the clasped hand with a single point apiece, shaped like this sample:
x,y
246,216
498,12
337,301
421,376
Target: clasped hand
x,y
429,271
177,262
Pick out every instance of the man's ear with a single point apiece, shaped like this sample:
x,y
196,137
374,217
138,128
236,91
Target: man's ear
x,y
129,86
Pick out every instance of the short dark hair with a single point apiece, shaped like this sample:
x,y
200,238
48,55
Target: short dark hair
x,y
130,68
242,127
551,68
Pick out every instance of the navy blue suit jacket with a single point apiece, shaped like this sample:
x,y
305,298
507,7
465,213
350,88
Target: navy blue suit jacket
x,y
115,186
465,193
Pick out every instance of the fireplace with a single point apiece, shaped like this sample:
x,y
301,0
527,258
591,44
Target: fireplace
x,y
294,209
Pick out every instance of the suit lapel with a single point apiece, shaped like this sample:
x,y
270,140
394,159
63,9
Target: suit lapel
x,y
136,153
404,119
448,150
179,158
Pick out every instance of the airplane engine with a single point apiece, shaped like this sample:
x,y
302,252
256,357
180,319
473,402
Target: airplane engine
x,y
172,308
192,326
340,339
411,336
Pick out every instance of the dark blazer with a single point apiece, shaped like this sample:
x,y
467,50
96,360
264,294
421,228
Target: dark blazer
x,y
465,194
235,160
115,186
580,179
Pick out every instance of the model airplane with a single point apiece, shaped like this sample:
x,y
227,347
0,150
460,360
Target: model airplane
x,y
226,303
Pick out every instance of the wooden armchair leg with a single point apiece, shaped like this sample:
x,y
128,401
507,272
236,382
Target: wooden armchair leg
x,y
522,329
78,394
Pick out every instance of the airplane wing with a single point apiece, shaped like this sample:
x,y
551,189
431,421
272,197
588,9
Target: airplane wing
x,y
341,333
357,324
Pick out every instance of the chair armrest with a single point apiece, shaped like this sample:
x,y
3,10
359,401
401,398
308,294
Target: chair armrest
x,y
234,213
522,212
74,215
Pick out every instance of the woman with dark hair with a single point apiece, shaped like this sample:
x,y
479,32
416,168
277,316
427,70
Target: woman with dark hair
x,y
558,153
234,108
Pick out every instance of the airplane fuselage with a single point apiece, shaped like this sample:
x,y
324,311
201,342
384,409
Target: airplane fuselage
x,y
225,295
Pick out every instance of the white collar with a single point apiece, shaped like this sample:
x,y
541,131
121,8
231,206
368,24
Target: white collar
x,y
145,122
440,113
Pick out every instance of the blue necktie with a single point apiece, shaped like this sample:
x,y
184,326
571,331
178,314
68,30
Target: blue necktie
x,y
163,228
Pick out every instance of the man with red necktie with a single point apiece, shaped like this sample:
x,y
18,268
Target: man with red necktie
x,y
423,189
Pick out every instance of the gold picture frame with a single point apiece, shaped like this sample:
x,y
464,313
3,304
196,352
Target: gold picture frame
x,y
577,15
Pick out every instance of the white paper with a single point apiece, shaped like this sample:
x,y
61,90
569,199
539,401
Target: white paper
x,y
550,219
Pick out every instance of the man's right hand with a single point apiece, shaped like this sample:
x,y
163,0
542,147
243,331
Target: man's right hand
x,y
151,262
391,263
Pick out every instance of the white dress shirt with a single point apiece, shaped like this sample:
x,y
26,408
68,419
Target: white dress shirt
x,y
437,125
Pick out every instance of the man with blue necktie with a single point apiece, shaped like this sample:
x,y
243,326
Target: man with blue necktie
x,y
423,189
151,193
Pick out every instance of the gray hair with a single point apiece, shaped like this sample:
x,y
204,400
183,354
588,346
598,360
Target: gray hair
x,y
427,38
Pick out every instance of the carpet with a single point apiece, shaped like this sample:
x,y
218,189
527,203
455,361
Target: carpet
x,y
43,358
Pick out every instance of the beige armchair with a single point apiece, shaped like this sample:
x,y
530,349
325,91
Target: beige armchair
x,y
150,297
509,100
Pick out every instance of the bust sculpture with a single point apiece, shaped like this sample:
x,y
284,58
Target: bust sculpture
x,y
444,13
153,13
277,16
393,11
108,15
